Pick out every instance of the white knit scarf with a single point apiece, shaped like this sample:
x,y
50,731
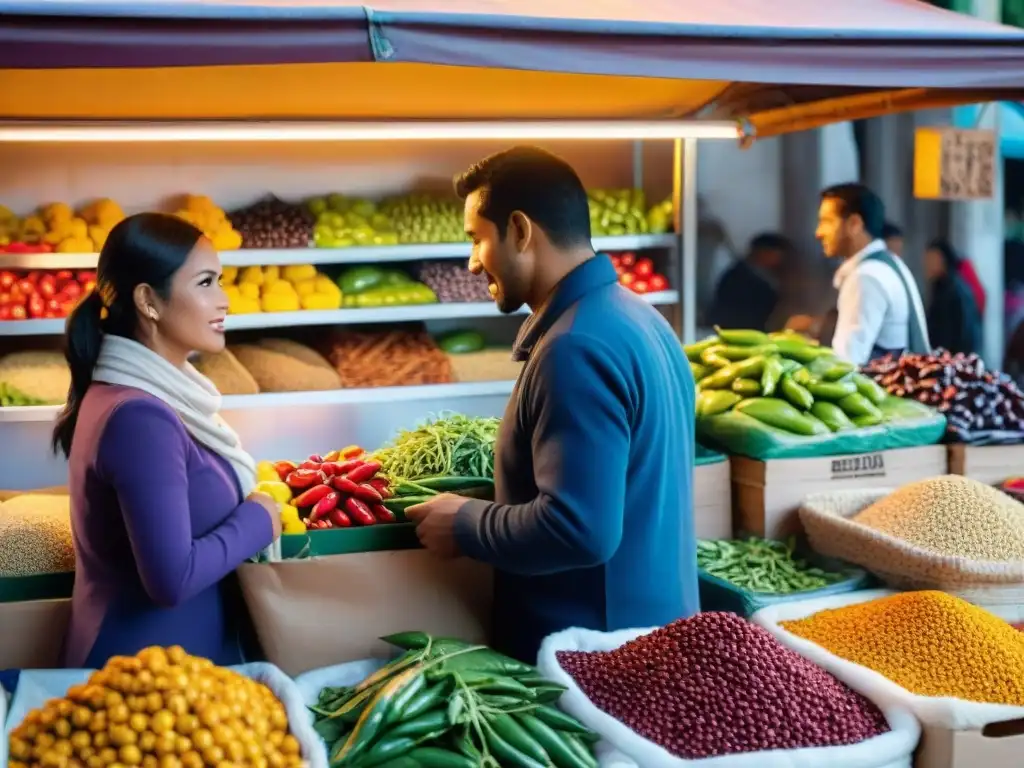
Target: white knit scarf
x,y
192,396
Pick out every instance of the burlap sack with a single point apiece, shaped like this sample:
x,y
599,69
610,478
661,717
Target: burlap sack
x,y
825,518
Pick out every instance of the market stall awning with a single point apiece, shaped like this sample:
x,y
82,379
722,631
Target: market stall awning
x,y
785,66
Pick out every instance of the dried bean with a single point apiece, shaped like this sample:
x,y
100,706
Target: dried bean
x,y
715,685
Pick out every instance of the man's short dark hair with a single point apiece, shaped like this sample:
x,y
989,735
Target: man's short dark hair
x,y
890,230
540,185
770,241
858,200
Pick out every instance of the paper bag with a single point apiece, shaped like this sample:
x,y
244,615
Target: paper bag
x,y
32,632
329,610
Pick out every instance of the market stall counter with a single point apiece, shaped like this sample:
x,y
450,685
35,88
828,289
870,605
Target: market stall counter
x,y
712,495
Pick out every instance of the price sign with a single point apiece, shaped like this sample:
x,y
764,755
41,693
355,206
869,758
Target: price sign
x,y
954,164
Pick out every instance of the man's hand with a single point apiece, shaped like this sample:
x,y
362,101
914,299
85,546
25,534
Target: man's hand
x,y
435,523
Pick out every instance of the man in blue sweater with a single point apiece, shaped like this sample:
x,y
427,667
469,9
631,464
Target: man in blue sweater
x,y
592,525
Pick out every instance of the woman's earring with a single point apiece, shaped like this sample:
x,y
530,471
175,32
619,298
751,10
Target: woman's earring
x,y
152,313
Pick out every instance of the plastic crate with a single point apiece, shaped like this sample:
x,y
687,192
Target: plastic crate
x,y
719,595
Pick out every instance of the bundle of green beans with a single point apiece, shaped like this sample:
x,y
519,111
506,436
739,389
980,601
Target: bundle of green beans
x,y
449,446
449,704
763,566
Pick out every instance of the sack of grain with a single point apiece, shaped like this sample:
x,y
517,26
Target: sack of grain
x,y
949,533
485,365
394,358
280,365
34,378
35,535
227,374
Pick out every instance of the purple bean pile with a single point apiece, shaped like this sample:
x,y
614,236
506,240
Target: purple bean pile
x,y
716,684
273,223
452,282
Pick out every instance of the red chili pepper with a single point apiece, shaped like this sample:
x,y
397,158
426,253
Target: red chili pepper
x,y
305,478
310,464
316,457
285,468
368,493
332,468
311,497
365,472
322,524
346,486
359,512
383,514
382,485
325,505
340,519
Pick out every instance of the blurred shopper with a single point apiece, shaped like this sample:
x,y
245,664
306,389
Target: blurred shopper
x,y
970,277
748,292
879,310
954,321
592,522
162,500
893,237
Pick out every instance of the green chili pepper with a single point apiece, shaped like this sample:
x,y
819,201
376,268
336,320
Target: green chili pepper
x,y
773,370
508,755
747,387
509,729
435,757
373,717
579,746
402,698
423,724
555,744
426,700
693,351
560,721
742,337
795,393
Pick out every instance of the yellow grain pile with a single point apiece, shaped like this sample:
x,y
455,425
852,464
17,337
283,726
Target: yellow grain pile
x,y
951,515
928,642
34,378
35,535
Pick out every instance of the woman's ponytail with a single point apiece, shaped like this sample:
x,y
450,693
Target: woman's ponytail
x,y
83,338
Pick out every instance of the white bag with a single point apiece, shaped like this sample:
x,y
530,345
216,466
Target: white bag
x,y
941,712
3,724
36,687
889,750
352,673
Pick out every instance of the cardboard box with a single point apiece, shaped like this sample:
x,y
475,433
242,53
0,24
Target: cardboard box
x,y
32,633
314,613
712,501
989,464
999,745
767,494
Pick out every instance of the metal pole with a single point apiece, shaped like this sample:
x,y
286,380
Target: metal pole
x,y
638,164
685,157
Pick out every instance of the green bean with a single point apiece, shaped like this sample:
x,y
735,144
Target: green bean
x,y
758,565
451,445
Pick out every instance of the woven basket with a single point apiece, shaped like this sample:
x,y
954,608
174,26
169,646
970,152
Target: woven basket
x,y
901,565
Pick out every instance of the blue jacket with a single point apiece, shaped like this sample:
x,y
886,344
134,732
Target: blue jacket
x,y
593,520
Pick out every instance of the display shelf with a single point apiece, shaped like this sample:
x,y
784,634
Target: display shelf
x,y
366,396
262,257
413,313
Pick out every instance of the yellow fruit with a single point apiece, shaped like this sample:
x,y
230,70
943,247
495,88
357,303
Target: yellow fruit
x,y
228,276
305,287
265,471
280,288
251,275
271,273
227,240
321,301
293,527
57,212
98,235
296,273
324,284
277,490
280,302
249,290
79,229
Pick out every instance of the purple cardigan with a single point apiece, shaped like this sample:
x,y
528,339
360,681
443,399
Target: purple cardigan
x,y
158,523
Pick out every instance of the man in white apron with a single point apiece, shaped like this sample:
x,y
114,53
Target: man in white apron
x,y
879,310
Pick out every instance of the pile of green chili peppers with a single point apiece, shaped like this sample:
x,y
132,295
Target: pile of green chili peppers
x,y
759,565
448,704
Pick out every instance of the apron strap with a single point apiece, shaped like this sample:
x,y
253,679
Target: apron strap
x,y
918,342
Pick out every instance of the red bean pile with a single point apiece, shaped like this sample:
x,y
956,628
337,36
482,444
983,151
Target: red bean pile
x,y
716,684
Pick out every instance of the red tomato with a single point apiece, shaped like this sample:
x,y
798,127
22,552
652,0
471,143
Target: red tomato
x,y
47,286
64,275
72,290
86,275
627,259
657,283
644,268
36,305
615,260
627,278
639,286
33,276
26,287
7,279
5,312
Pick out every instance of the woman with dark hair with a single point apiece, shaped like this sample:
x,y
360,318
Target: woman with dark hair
x,y
162,499
954,321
